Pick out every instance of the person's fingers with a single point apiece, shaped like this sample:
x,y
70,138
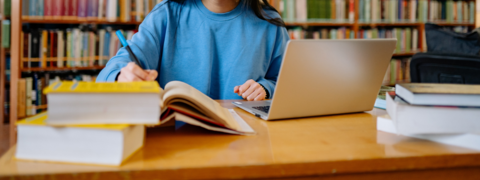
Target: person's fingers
x,y
250,90
129,76
152,75
254,94
235,89
246,86
135,69
261,96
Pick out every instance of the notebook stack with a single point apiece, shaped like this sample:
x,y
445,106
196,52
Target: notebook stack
x,y
447,113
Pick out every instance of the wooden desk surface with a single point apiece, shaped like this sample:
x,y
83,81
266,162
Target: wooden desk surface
x,y
330,147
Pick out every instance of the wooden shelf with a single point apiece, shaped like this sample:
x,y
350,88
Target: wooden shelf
x,y
443,23
326,23
389,24
61,69
86,21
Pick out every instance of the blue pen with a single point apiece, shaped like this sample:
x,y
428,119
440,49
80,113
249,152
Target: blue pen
x,y
124,43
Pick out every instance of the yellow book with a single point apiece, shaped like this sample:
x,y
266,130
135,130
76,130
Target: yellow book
x,y
138,103
73,102
44,48
85,144
112,87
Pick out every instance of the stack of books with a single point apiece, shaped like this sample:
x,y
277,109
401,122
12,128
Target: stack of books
x,y
104,123
447,113
321,33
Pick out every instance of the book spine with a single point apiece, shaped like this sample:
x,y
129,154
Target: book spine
x,y
112,10
26,9
22,99
48,9
61,48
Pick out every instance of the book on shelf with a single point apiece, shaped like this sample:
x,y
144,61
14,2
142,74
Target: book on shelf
x,y
138,103
7,8
459,11
317,10
74,47
85,144
6,33
466,140
439,94
87,10
417,119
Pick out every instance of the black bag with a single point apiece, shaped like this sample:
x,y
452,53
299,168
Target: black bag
x,y
442,40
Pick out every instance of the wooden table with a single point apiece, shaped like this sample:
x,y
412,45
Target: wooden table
x,y
329,147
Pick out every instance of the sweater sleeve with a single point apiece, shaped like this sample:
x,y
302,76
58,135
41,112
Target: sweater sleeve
x,y
146,44
270,79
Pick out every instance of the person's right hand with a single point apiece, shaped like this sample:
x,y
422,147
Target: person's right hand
x,y
133,72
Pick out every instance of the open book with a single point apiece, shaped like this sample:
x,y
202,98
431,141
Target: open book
x,y
138,103
182,102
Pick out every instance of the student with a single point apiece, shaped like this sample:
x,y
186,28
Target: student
x,y
227,49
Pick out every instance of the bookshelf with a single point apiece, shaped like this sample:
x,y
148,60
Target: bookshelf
x,y
21,66
4,52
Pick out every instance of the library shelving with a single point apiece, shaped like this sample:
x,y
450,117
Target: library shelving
x,y
4,58
81,22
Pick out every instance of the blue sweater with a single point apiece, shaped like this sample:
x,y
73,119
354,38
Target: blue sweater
x,y
213,52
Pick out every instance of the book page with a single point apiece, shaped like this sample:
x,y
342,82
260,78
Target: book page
x,y
176,91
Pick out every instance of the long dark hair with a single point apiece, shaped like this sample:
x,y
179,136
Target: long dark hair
x,y
258,7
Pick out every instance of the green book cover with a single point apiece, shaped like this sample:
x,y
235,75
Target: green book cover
x,y
471,19
6,33
322,10
7,7
374,33
393,71
397,32
285,9
408,45
328,9
449,11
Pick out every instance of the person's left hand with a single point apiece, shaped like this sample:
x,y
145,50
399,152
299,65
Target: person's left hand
x,y
251,91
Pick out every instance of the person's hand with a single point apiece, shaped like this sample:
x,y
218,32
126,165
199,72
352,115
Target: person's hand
x,y
133,72
251,91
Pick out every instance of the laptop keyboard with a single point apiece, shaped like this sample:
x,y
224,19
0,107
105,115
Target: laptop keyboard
x,y
262,108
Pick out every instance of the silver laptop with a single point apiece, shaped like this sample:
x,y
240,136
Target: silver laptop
x,y
324,77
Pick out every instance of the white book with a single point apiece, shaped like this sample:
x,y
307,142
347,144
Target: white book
x,y
374,10
60,48
101,45
140,10
112,10
411,119
127,10
101,6
77,47
301,10
415,39
469,140
88,144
